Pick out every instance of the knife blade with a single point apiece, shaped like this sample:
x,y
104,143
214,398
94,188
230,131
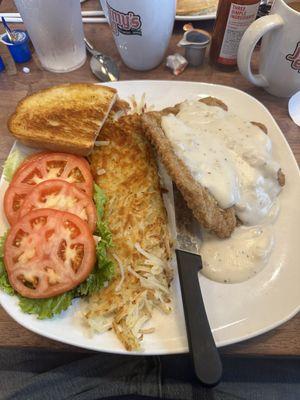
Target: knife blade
x,y
206,359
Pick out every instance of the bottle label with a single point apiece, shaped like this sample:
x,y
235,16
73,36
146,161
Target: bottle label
x,y
239,18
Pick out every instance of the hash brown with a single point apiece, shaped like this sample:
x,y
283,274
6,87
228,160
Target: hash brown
x,y
126,170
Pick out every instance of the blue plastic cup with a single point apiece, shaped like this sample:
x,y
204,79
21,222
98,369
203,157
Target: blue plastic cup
x,y
2,66
19,49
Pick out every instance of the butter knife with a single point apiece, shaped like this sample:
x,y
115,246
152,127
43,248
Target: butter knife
x,y
206,359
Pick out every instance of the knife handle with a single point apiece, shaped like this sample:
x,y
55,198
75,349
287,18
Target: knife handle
x,y
206,359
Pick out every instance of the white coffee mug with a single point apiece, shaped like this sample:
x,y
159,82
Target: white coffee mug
x,y
141,28
279,67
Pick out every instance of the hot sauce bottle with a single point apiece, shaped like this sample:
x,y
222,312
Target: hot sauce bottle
x,y
233,18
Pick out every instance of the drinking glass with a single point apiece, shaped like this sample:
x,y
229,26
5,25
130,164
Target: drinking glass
x,y
56,31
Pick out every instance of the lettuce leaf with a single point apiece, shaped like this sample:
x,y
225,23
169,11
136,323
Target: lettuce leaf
x,y
4,282
46,308
2,241
103,272
104,269
100,201
11,164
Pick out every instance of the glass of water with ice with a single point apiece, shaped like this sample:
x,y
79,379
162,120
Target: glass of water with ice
x,y
56,31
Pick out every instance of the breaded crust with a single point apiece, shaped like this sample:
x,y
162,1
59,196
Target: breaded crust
x,y
204,206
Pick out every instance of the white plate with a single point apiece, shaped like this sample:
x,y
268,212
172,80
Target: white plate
x,y
201,17
236,312
294,108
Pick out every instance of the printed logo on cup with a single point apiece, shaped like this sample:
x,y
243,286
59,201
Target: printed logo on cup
x,y
295,58
127,24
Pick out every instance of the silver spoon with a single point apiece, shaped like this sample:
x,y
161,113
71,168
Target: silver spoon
x,y
103,66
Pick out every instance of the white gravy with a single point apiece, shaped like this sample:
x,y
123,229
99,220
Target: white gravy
x,y
239,257
232,158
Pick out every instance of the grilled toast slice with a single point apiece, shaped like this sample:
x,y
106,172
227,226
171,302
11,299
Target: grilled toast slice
x,y
63,118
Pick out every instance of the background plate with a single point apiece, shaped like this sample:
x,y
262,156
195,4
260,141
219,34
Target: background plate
x,y
201,17
236,312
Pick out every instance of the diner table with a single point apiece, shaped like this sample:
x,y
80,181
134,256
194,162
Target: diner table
x,y
15,84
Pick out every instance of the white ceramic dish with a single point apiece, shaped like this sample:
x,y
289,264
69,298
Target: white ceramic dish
x,y
202,17
236,312
294,108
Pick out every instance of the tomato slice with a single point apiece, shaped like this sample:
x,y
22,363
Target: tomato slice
x,y
60,195
48,252
36,156
42,167
31,157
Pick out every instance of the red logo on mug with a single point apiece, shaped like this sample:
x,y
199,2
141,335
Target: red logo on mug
x,y
295,58
127,24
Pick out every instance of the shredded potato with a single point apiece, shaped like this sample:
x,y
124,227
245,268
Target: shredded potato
x,y
139,107
138,222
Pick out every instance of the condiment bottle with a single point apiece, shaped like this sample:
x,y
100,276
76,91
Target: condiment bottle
x,y
233,18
